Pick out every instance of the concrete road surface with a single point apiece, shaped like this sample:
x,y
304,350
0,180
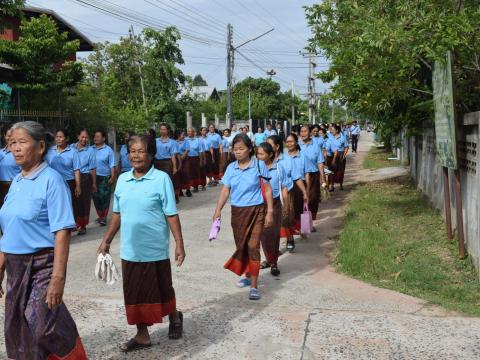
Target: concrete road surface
x,y
309,312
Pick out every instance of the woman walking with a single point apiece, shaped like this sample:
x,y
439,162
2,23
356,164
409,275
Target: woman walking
x,y
183,174
215,141
338,146
8,167
314,163
241,183
65,160
123,162
144,211
34,253
270,238
205,158
225,152
165,158
196,148
88,181
294,168
105,168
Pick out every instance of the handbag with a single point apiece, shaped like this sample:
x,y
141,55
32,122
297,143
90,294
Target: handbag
x,y
306,222
105,269
215,229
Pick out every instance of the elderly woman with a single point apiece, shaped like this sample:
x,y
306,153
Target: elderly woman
x,y
145,212
36,223
8,168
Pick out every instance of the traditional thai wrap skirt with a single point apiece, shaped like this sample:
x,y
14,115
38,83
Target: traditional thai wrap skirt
x,y
288,219
184,173
203,169
101,199
313,191
84,202
32,330
338,168
271,236
148,291
72,185
247,224
4,187
297,208
165,165
177,181
224,161
194,171
215,165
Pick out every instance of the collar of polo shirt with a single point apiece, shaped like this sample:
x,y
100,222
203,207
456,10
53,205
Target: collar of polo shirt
x,y
252,164
147,176
34,174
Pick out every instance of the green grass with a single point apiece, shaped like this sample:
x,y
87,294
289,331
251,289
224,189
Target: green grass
x,y
378,158
394,239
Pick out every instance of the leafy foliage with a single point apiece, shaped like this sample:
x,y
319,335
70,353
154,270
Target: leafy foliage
x,y
198,80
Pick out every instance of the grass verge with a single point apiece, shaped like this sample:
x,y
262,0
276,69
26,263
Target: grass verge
x,y
378,158
394,239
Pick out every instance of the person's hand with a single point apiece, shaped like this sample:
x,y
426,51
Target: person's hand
x,y
104,248
324,185
2,275
285,211
305,198
78,191
174,170
94,188
217,215
269,219
179,254
111,181
55,291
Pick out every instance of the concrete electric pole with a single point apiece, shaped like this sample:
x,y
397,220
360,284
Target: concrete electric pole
x,y
230,67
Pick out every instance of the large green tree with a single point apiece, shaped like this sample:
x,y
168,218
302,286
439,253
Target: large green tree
x,y
9,8
382,54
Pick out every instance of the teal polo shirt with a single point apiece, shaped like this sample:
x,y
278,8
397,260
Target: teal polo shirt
x,y
143,204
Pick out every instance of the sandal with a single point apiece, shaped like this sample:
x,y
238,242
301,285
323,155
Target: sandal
x,y
175,329
133,345
275,271
291,245
264,265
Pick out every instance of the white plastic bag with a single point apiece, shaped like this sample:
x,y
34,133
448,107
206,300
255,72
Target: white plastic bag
x,y
105,270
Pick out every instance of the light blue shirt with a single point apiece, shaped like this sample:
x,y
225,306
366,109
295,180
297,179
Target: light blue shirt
x,y
286,164
205,143
278,179
329,135
355,130
124,161
143,204
165,149
320,141
225,145
105,159
299,166
65,162
214,140
195,146
87,158
36,207
8,167
313,156
328,147
183,146
260,138
244,184
338,144
270,132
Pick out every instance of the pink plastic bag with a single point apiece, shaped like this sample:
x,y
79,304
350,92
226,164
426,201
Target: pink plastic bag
x,y
215,229
306,222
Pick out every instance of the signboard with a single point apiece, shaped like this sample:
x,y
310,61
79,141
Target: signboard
x,y
444,105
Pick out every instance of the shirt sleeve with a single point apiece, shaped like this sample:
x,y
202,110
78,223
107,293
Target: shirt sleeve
x,y
92,160
111,158
60,213
76,161
167,196
263,169
227,176
116,200
320,158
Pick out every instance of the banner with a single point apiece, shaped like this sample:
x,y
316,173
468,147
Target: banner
x,y
444,105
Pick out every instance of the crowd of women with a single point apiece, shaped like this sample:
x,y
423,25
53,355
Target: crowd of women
x,y
268,187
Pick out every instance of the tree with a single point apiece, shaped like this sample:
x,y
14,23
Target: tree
x,y
382,53
39,60
9,8
198,80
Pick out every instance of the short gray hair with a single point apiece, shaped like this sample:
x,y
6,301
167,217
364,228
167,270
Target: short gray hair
x,y
34,129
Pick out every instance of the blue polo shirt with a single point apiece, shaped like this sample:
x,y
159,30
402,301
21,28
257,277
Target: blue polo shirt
x,y
195,145
87,158
320,141
124,161
8,167
260,138
270,132
338,143
105,159
214,140
205,143
328,147
244,184
143,204
45,208
278,179
285,162
225,145
355,130
65,162
329,135
183,146
313,156
165,148
299,166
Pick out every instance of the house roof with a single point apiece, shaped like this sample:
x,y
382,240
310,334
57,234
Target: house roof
x,y
64,26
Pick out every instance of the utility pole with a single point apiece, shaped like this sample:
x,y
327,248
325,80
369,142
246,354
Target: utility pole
x,y
230,67
132,37
249,106
311,89
293,103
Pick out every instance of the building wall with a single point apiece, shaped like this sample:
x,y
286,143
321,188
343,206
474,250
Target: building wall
x,y
428,176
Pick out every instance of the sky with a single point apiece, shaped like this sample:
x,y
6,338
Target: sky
x,y
203,24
